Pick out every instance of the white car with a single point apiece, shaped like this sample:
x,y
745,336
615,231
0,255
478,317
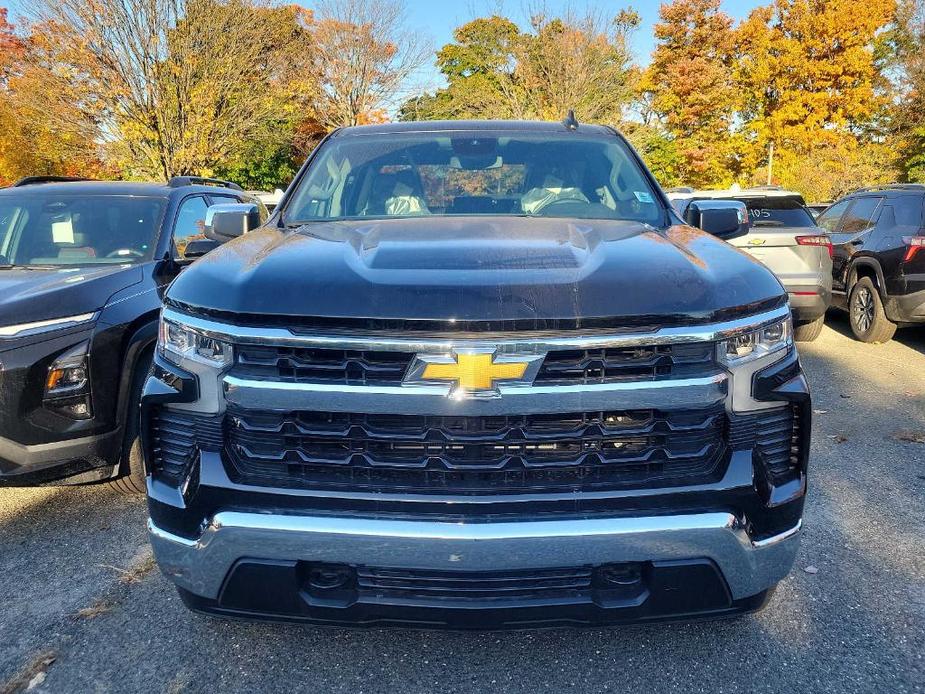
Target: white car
x,y
783,235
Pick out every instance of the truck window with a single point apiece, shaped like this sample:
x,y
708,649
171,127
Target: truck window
x,y
475,173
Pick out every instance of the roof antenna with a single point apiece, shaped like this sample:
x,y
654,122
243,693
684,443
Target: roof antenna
x,y
570,121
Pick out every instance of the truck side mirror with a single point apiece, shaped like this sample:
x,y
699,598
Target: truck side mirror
x,y
726,219
227,221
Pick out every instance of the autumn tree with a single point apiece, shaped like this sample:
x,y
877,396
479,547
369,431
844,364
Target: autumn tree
x,y
479,70
186,84
494,70
49,123
807,74
688,88
365,54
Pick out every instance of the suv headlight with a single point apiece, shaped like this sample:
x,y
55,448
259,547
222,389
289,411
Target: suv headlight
x,y
774,339
177,342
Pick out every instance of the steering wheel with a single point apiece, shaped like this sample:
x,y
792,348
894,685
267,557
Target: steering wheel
x,y
125,253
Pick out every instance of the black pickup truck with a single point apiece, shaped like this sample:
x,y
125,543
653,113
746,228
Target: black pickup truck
x,y
476,375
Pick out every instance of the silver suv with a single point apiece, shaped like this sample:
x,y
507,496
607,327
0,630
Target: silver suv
x,y
783,235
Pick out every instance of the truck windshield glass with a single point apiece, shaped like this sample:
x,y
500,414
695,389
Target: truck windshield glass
x,y
778,212
474,173
44,228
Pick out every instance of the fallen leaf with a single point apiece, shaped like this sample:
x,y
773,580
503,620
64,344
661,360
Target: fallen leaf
x,y
36,681
811,569
910,436
838,438
845,396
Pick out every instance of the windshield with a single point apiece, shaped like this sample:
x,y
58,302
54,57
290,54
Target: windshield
x,y
474,173
45,228
778,211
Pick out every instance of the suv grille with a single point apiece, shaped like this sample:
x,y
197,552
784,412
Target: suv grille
x,y
362,368
470,455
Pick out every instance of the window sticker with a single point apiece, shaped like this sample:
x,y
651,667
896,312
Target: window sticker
x,y
62,231
643,196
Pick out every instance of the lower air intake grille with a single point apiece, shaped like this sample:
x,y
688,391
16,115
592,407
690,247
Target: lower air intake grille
x,y
533,584
774,434
472,455
177,437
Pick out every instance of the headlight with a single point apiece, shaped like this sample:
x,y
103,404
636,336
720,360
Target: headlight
x,y
177,342
757,344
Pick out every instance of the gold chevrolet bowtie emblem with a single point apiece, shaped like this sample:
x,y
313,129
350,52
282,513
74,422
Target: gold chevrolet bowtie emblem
x,y
474,372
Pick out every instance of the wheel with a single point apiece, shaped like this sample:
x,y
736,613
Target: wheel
x,y
131,479
807,332
865,313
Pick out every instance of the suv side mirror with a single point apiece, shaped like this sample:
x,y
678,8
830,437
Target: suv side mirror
x,y
726,219
227,221
199,247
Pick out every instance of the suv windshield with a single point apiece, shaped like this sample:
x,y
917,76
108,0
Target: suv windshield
x,y
778,212
474,173
45,228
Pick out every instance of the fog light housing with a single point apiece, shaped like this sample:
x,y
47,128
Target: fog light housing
x,y
67,385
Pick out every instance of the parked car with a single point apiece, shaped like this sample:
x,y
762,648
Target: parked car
x,y
476,374
83,266
268,198
783,236
817,208
878,272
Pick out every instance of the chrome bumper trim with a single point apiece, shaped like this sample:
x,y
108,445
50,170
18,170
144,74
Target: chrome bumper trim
x,y
515,400
201,565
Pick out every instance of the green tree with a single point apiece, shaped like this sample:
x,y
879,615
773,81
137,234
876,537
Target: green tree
x,y
908,114
494,70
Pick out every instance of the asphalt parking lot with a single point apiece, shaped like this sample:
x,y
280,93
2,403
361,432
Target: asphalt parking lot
x,y
83,609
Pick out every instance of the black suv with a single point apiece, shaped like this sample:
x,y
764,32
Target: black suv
x,y
83,266
878,268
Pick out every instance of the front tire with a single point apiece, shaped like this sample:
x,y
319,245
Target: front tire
x,y
131,479
807,332
866,315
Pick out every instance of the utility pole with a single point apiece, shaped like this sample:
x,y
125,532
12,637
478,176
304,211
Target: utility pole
x,y
771,162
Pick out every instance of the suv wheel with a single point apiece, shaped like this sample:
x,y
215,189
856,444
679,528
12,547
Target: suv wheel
x,y
865,313
131,479
807,332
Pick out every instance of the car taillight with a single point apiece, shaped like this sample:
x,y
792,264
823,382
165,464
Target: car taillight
x,y
816,240
913,245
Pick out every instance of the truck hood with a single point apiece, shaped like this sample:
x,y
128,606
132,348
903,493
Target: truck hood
x,y
28,295
478,269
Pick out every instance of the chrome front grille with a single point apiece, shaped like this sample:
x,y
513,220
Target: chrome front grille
x,y
385,367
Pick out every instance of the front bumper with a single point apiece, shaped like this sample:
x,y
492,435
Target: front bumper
x,y
75,461
39,446
253,565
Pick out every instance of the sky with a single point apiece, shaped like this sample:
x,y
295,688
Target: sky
x,y
438,18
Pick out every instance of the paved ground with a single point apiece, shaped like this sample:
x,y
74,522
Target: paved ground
x,y
81,609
